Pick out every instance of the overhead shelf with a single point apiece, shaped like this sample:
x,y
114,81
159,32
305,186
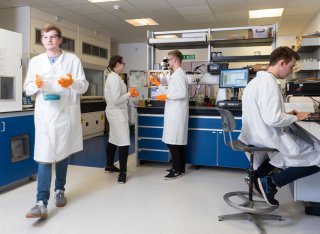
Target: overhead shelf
x,y
240,58
242,42
308,44
181,43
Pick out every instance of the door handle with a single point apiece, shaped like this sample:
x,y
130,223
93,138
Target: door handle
x,y
4,127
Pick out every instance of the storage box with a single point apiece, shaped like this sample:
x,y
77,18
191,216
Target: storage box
x,y
260,67
260,32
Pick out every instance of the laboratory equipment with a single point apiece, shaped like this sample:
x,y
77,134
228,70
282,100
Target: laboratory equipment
x,y
10,71
234,79
51,89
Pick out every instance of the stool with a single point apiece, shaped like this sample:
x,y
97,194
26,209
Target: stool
x,y
253,210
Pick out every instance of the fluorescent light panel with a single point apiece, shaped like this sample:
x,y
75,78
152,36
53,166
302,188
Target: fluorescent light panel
x,y
95,1
265,13
142,22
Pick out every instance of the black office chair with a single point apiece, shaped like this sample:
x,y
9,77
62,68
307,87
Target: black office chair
x,y
252,209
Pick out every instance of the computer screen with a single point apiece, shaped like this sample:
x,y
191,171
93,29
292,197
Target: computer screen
x,y
234,78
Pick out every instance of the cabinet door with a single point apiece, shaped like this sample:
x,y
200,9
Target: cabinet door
x,y
17,147
228,157
202,147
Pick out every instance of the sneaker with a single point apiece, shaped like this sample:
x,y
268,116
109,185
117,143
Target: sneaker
x,y
61,200
171,169
38,211
122,178
268,191
255,188
172,175
111,169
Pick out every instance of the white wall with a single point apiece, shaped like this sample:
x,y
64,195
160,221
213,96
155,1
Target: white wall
x,y
134,55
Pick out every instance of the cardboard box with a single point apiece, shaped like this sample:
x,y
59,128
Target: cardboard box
x,y
260,32
260,67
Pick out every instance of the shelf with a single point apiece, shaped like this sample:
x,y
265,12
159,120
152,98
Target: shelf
x,y
308,66
307,49
308,44
242,42
240,58
181,43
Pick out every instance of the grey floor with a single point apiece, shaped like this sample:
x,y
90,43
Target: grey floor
x,y
146,204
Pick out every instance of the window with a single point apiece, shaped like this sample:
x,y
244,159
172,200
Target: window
x,y
94,50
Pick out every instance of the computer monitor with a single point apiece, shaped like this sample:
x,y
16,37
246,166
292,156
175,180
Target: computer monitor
x,y
234,79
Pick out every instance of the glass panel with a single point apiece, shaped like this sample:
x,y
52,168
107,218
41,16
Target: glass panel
x,y
6,88
86,48
67,44
95,50
103,53
20,148
95,79
38,36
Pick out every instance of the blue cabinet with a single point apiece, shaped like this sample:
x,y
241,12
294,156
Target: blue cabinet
x,y
148,139
17,147
205,142
228,157
202,147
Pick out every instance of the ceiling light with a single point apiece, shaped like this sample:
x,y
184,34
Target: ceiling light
x,y
276,12
142,22
95,1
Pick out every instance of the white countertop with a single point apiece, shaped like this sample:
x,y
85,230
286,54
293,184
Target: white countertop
x,y
310,127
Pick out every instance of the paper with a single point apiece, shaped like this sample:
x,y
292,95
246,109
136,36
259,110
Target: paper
x,y
299,106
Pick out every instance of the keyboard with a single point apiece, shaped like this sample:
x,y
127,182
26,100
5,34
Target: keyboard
x,y
315,117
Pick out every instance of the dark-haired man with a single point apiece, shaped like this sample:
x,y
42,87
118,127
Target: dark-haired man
x,y
265,122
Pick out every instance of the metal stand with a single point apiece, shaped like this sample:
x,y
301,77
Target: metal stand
x,y
252,210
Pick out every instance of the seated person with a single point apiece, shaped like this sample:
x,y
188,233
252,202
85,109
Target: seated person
x,y
264,123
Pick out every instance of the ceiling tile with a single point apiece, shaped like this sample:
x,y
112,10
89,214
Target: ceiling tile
x,y
186,3
199,18
193,10
232,15
303,10
294,25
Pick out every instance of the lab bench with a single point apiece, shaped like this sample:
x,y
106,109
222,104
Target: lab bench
x,y
17,136
205,139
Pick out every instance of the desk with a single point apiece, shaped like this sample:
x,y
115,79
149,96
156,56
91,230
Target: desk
x,y
308,188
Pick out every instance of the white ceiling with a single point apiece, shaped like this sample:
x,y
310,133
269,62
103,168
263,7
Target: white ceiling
x,y
173,14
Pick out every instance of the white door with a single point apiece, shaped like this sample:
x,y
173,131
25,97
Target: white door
x,y
10,71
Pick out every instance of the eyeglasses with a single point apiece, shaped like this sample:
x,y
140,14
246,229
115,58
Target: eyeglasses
x,y
50,37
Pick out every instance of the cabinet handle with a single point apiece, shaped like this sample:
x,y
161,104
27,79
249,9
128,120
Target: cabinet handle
x,y
4,127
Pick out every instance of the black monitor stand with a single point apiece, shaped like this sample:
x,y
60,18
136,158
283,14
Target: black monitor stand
x,y
235,92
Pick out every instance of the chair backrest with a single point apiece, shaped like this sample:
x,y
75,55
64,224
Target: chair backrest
x,y
228,126
228,121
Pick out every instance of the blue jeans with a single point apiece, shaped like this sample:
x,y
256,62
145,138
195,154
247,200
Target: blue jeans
x,y
44,179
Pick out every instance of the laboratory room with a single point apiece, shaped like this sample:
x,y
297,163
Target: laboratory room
x,y
153,117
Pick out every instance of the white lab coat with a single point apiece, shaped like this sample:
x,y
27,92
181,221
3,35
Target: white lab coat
x,y
116,95
176,111
58,130
264,123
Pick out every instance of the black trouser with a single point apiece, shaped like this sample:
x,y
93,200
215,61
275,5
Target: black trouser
x,y
286,176
178,157
123,156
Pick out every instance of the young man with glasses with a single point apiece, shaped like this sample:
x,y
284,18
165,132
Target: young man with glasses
x,y
58,130
176,114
